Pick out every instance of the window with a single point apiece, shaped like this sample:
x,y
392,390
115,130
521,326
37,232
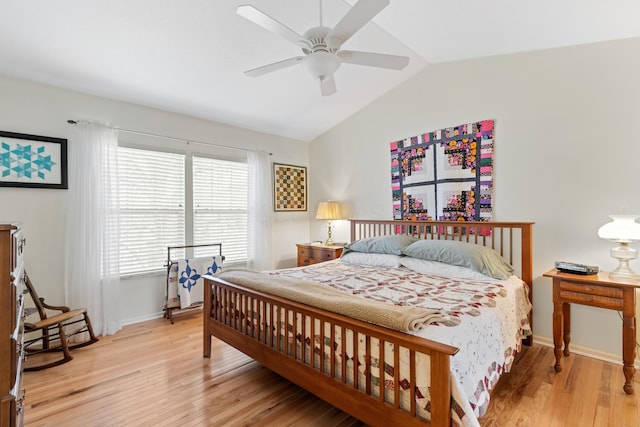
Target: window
x,y
152,214
153,188
220,207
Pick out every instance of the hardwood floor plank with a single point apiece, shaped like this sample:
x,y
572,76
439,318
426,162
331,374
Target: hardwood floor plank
x,y
153,374
584,403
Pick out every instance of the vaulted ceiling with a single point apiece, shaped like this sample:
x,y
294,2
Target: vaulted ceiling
x,y
189,56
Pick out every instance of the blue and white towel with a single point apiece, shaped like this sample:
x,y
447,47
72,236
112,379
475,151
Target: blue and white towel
x,y
186,286
173,300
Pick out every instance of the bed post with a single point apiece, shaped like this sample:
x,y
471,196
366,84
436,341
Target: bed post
x,y
353,230
527,269
527,248
206,312
441,381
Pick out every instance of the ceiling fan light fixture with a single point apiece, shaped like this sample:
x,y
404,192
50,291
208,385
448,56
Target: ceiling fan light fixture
x,y
321,65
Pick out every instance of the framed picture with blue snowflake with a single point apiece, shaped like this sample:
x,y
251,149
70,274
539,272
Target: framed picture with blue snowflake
x,y
32,161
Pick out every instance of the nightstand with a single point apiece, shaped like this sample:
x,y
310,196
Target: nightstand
x,y
597,290
312,254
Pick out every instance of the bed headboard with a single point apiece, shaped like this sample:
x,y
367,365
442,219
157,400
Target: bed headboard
x,y
512,240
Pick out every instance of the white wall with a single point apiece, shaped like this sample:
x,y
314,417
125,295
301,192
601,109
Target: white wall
x,y
566,155
43,110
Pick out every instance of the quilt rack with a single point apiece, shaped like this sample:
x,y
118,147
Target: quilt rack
x,y
169,309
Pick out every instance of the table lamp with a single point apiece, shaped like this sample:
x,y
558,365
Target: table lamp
x,y
622,230
330,210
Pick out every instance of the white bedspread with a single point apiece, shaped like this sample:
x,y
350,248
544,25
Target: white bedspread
x,y
485,319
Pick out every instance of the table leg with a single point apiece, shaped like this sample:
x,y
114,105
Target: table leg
x,y
566,317
629,339
557,330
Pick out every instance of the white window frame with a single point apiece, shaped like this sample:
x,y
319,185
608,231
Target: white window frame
x,y
188,198
236,244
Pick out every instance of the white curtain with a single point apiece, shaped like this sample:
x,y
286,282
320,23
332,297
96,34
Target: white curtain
x,y
92,272
260,211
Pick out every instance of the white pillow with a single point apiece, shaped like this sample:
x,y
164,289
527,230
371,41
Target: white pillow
x,y
442,269
371,259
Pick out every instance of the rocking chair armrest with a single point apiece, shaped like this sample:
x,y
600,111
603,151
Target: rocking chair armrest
x,y
62,308
29,326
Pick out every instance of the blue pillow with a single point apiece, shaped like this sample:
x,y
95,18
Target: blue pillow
x,y
382,244
478,258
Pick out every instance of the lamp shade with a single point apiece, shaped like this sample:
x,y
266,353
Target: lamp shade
x,y
321,65
330,210
623,228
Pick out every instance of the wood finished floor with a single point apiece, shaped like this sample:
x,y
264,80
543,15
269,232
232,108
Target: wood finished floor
x,y
153,374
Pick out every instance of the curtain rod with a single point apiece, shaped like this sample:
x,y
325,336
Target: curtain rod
x,y
154,135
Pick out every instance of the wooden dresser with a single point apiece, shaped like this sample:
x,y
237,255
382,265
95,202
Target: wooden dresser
x,y
312,254
12,288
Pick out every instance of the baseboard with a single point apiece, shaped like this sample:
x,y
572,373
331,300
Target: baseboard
x,y
144,318
587,351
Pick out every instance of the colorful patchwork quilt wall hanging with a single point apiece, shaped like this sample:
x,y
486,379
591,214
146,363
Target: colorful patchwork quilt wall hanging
x,y
444,175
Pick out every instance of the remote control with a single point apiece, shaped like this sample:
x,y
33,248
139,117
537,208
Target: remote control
x,y
574,268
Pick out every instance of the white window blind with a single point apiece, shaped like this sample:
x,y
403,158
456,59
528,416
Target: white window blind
x,y
152,213
220,198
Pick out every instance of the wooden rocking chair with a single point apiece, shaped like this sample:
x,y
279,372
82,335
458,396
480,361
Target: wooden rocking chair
x,y
52,333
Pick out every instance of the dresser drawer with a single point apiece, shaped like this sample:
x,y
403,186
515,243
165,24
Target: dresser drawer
x,y
18,290
591,289
20,356
312,254
15,361
305,252
306,256
18,243
591,294
19,405
326,254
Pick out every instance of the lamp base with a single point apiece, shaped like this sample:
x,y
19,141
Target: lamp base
x,y
624,272
329,241
624,254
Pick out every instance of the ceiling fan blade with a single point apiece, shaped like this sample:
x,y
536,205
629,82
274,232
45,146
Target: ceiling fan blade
x,y
361,13
380,60
274,67
265,21
328,86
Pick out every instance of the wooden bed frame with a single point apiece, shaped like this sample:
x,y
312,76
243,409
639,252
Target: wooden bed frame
x,y
327,375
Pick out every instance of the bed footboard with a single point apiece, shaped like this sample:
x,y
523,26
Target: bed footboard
x,y
354,365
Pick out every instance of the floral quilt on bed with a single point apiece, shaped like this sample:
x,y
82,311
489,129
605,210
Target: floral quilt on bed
x,y
485,319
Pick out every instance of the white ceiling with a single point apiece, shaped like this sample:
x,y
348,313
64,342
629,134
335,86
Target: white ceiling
x,y
188,56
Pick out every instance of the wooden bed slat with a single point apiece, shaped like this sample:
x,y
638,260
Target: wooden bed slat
x,y
381,373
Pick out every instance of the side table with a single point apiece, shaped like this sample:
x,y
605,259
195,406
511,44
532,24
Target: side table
x,y
312,253
597,290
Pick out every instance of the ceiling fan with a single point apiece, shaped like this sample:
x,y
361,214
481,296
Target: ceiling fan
x,y
322,45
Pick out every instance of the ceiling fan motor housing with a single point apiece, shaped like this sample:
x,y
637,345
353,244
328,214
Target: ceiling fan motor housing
x,y
316,37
